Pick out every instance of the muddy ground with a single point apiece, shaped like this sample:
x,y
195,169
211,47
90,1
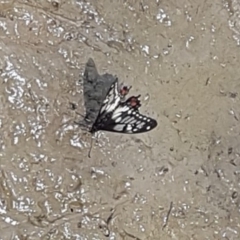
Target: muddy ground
x,y
180,180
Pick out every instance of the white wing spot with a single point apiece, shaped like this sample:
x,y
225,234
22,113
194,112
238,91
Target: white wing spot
x,y
118,127
129,127
149,120
118,119
128,120
148,127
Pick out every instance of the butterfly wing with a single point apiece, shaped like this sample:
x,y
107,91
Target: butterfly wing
x,y
126,118
122,117
111,101
109,104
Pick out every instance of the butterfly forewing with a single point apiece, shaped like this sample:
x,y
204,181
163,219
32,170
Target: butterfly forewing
x,y
112,99
109,104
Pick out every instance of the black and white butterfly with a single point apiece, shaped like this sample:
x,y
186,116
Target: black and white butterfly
x,y
120,116
106,105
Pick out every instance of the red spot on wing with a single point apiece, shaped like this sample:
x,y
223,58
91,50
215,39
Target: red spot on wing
x,y
134,102
124,90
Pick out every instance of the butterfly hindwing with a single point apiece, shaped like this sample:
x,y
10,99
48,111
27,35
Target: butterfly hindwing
x,y
127,118
122,117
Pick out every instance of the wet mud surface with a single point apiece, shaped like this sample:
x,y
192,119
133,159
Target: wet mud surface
x,y
179,181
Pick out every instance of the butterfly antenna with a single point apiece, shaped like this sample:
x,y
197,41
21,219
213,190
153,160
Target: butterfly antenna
x,y
90,149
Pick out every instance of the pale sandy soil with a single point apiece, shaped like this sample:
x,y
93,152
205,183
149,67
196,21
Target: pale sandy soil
x,y
179,181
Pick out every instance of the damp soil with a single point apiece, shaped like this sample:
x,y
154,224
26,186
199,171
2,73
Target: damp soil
x,y
178,181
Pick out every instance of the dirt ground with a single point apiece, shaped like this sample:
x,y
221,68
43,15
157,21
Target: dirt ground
x,y
180,180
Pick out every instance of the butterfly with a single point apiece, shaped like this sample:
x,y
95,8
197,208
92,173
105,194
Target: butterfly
x,y
106,105
117,115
